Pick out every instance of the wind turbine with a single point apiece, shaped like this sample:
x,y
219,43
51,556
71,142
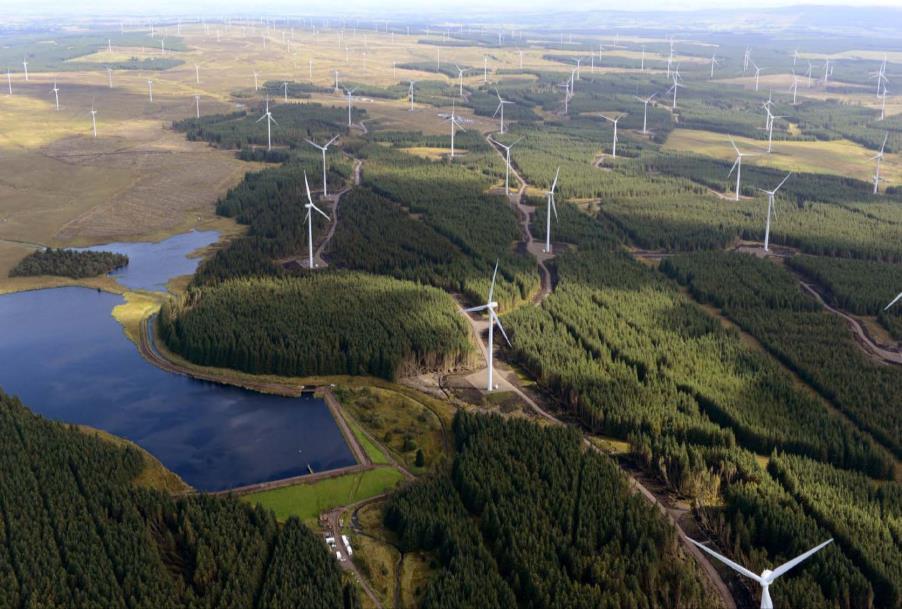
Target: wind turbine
x,y
150,90
883,105
879,157
757,75
676,85
460,79
795,89
323,149
737,165
285,90
485,69
810,71
197,106
196,74
507,162
579,61
490,306
614,121
56,93
500,109
9,81
454,123
25,65
767,576
714,62
566,87
645,103
350,94
551,207
94,120
410,94
771,210
256,84
310,209
895,300
269,121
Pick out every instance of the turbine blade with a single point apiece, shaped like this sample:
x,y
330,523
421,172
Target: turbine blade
x,y
733,168
476,309
307,185
728,562
895,300
492,288
556,174
795,561
321,212
553,206
788,175
329,143
497,321
733,144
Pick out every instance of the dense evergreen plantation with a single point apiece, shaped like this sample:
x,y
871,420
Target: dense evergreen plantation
x,y
77,534
329,323
526,518
68,263
766,301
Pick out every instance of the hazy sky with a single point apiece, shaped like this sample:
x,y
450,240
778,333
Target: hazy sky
x,y
384,7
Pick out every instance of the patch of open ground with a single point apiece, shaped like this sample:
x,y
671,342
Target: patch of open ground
x,y
838,157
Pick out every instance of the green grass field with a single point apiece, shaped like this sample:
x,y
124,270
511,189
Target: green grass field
x,y
307,501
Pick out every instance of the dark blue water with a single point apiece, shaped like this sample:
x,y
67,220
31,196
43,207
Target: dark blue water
x,y
62,352
151,265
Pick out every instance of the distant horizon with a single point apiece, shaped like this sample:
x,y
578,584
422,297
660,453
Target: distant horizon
x,y
414,9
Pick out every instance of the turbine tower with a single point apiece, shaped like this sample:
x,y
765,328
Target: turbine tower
x,y
56,93
454,123
109,77
757,75
490,306
507,162
551,207
410,94
767,576
500,109
676,85
323,148
645,103
879,157
310,209
614,121
350,95
269,121
714,62
460,79
150,90
25,65
94,120
771,210
737,165
197,106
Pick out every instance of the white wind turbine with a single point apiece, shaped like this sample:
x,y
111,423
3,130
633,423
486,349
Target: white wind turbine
x,y
614,121
454,123
256,83
645,103
770,128
197,106
350,95
310,209
500,109
771,210
410,94
895,300
490,306
883,105
196,74
94,120
676,85
757,75
767,577
323,148
25,65
795,89
460,79
269,122
9,81
285,91
150,89
507,162
737,165
714,62
56,93
551,207
879,157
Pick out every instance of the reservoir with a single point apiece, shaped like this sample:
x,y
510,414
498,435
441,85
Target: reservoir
x,y
69,360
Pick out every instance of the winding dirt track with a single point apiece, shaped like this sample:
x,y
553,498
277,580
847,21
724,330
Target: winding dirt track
x,y
479,326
